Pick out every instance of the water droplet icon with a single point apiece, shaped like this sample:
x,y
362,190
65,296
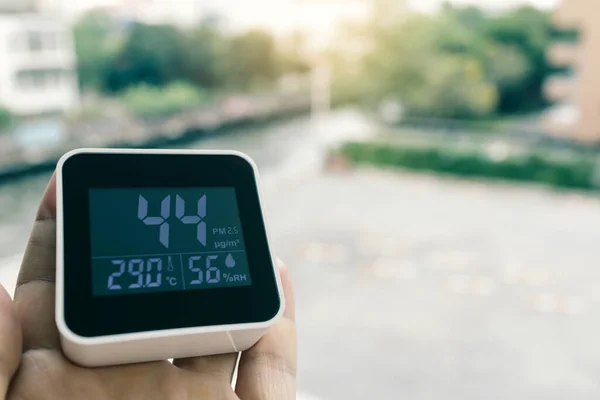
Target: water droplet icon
x,y
229,261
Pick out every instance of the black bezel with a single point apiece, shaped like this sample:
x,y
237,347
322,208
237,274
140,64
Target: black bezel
x,y
89,316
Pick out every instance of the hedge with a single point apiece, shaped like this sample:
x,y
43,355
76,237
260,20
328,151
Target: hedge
x,y
576,171
147,101
6,119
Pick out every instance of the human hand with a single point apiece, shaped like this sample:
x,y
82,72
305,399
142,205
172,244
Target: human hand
x,y
266,371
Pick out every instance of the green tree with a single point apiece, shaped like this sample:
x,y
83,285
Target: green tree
x,y
525,35
95,42
252,60
426,63
471,17
153,55
452,88
457,56
206,49
512,47
293,54
510,70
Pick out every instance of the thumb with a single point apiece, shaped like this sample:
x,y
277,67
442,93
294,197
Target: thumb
x,y
268,370
10,341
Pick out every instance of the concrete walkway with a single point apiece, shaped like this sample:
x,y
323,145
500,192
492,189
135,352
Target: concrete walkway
x,y
417,287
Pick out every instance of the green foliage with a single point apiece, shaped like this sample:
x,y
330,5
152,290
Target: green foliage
x,y
153,55
422,62
470,17
206,58
95,44
146,101
459,63
527,31
252,60
575,171
292,58
507,68
452,88
6,119
114,58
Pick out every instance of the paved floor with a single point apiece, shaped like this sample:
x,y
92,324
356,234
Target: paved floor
x,y
424,288
415,287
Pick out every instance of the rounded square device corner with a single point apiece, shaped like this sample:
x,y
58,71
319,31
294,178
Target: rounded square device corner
x,y
246,159
68,337
68,157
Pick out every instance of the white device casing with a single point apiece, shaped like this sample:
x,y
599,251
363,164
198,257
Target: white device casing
x,y
154,345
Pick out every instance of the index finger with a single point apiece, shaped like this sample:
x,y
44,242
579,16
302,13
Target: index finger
x,y
10,342
34,297
39,261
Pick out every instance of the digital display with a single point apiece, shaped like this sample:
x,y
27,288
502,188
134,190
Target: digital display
x,y
148,240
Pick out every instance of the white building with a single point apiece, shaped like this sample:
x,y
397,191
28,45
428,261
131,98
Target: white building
x,y
9,6
37,64
183,13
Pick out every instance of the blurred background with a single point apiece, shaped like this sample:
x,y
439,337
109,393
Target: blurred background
x,y
431,169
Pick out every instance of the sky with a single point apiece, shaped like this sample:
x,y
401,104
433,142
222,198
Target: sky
x,y
282,14
424,5
429,5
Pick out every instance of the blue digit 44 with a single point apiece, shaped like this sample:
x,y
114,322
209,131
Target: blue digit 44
x,y
165,214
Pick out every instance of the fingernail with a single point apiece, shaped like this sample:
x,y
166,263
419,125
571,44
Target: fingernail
x,y
280,264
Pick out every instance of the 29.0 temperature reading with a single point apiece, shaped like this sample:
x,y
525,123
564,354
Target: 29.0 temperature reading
x,y
173,272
